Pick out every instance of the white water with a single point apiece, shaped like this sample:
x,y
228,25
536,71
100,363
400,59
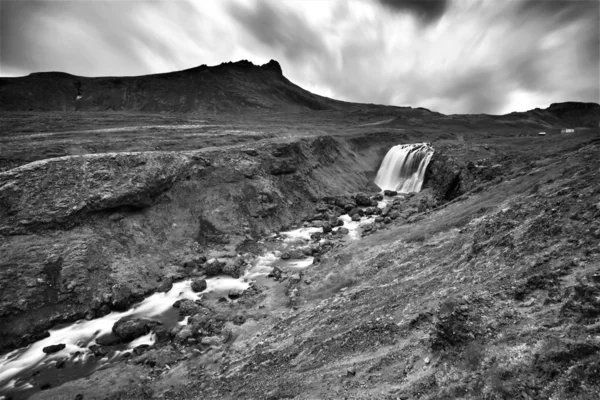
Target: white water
x,y
403,167
81,334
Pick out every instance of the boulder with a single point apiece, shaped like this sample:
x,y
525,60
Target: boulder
x,y
275,273
296,254
129,329
377,197
390,192
188,307
198,285
371,210
191,264
165,285
98,351
356,217
120,297
348,207
54,348
235,294
343,231
355,211
394,214
232,270
213,267
362,199
326,227
285,255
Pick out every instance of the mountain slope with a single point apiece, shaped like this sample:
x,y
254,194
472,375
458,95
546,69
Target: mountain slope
x,y
226,87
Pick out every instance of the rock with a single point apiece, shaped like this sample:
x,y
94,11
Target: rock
x,y
188,307
232,270
54,348
108,340
355,211
235,294
394,214
377,197
350,372
183,334
348,207
379,219
102,311
326,227
98,351
165,285
362,199
198,285
162,333
295,278
316,236
239,320
129,329
120,297
386,210
285,256
296,254
371,210
356,217
213,267
191,264
339,222
275,273
390,193
387,220
343,231
211,341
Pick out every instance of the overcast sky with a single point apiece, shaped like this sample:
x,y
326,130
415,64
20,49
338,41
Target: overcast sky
x,y
452,56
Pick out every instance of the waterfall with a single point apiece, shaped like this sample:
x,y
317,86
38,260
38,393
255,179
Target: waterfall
x,y
403,168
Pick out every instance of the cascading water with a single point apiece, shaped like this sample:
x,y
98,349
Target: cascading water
x,y
403,168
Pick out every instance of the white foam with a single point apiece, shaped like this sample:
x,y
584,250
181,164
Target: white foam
x,y
300,233
300,264
262,266
354,227
225,283
148,339
79,335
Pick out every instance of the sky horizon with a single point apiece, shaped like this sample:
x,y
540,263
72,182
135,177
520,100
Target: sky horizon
x,y
450,56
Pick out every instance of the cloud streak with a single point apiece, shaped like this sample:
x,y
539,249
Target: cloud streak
x,y
453,56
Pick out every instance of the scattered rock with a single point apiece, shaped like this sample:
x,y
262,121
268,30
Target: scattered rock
x,y
235,294
165,285
120,297
362,199
54,348
129,329
198,285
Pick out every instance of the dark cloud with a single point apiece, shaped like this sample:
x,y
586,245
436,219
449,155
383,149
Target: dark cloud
x,y
280,29
426,10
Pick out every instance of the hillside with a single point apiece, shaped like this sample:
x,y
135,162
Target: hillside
x,y
227,87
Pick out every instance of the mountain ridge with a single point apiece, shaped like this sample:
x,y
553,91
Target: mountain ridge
x,y
228,87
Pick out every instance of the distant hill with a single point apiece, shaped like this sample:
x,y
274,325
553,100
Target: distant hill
x,y
235,87
226,87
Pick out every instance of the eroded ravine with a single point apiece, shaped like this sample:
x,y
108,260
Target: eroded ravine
x,y
290,251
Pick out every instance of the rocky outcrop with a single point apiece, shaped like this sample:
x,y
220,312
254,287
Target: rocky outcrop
x,y
129,329
59,192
